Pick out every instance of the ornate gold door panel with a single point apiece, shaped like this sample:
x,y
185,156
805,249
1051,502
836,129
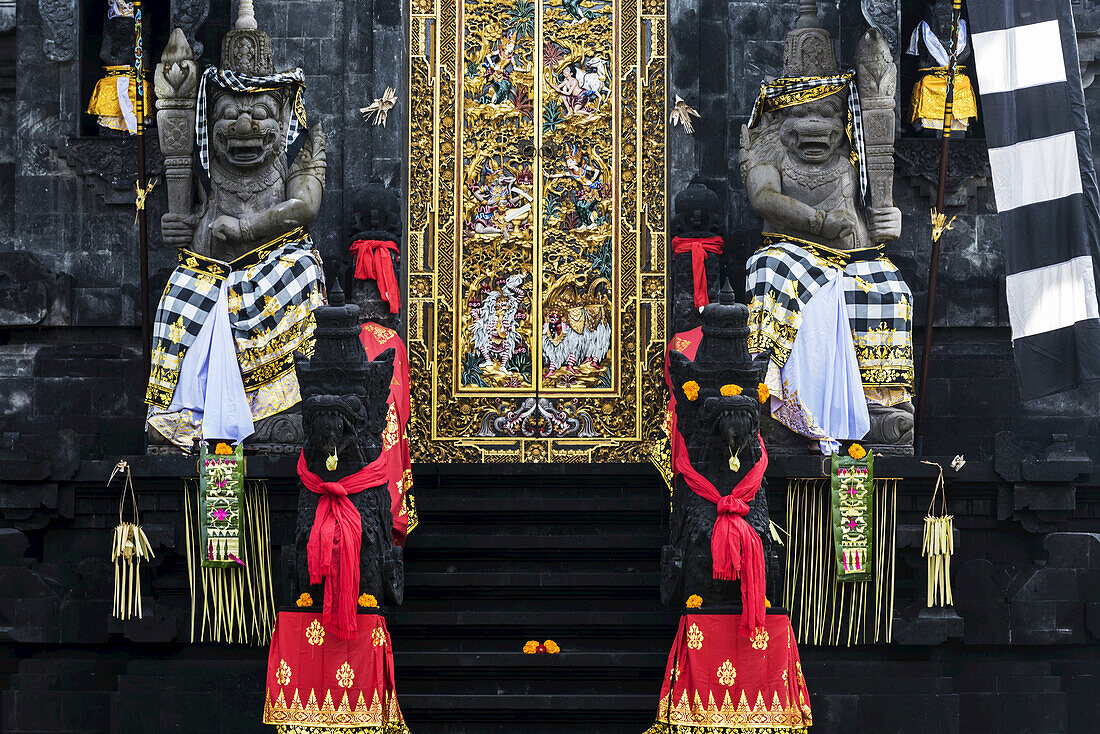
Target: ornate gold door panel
x,y
537,234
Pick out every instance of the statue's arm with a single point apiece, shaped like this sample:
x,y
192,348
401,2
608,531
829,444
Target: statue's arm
x,y
765,189
304,187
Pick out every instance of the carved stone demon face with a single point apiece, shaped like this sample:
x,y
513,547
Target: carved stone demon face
x,y
333,424
814,132
732,422
247,129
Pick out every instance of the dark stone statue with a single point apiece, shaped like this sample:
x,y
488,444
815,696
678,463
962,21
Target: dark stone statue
x,y
377,216
715,429
697,214
344,411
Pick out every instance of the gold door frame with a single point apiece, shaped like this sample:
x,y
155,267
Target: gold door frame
x,y
613,412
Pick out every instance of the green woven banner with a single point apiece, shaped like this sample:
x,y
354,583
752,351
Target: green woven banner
x,y
221,485
852,504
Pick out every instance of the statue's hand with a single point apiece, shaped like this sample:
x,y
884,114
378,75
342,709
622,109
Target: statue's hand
x,y
178,229
884,224
838,224
226,228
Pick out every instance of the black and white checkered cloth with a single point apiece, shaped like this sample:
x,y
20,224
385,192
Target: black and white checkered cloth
x,y
790,91
270,301
784,276
238,82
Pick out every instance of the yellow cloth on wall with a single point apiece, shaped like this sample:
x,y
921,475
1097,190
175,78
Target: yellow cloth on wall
x,y
104,103
930,95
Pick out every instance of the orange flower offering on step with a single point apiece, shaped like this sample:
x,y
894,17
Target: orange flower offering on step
x,y
551,647
531,647
694,601
223,449
856,451
367,600
763,393
728,391
305,600
691,390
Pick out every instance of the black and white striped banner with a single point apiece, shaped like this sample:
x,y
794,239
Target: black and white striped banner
x,y
1025,57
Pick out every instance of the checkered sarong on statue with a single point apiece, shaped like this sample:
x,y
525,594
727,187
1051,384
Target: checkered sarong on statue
x,y
784,274
272,293
796,90
237,82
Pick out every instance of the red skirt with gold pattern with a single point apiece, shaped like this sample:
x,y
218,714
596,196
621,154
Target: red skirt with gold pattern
x,y
317,682
719,679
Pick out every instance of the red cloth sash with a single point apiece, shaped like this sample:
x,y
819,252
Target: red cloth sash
x,y
372,260
736,549
698,247
395,442
335,541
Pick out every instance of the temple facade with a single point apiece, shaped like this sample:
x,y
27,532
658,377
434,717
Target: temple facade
x,y
542,220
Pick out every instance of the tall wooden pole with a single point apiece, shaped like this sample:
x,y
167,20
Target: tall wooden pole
x,y
143,242
939,223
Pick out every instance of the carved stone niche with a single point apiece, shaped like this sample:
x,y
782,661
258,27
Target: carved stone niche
x,y
109,164
697,213
1039,488
376,215
918,161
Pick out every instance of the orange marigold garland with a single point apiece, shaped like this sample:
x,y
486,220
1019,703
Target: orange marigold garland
x,y
531,647
856,451
305,600
691,390
763,393
223,449
367,600
551,647
728,391
694,601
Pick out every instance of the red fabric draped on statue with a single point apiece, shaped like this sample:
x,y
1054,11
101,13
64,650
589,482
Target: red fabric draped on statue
x,y
395,443
317,680
736,549
699,247
721,681
372,260
335,541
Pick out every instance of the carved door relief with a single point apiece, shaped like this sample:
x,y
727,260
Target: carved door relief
x,y
537,233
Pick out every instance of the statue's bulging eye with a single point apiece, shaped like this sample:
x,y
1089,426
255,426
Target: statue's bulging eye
x,y
259,112
231,112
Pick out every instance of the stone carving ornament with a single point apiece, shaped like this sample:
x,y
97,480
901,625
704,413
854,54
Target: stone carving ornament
x,y
60,18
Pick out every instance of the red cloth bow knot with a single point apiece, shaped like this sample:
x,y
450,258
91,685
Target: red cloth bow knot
x,y
698,247
373,261
730,505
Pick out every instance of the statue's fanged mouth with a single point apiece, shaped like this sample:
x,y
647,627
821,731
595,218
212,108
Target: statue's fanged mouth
x,y
814,150
247,150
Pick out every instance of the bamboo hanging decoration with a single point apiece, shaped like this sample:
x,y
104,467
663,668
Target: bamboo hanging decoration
x,y
128,547
938,546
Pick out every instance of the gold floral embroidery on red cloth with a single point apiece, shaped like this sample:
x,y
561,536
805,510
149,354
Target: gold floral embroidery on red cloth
x,y
378,637
315,633
727,674
283,674
695,637
759,639
345,676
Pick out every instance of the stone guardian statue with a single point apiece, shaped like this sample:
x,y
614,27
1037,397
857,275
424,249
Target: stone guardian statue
x,y
817,163
248,277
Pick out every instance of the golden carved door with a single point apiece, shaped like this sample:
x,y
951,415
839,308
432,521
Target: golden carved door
x,y
537,232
